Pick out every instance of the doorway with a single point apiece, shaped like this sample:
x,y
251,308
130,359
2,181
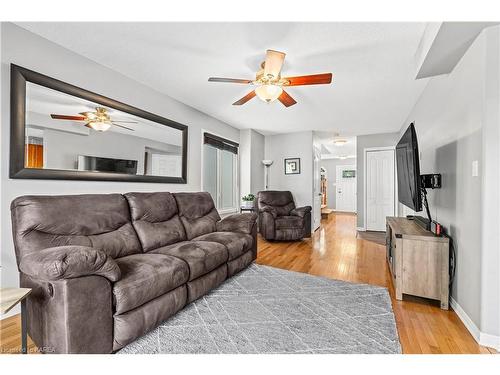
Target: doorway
x,y
345,188
380,173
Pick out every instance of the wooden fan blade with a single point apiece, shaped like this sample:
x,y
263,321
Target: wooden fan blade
x,y
229,80
314,79
246,98
286,99
67,117
121,126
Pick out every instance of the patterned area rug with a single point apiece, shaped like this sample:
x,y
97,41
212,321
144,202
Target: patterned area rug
x,y
269,310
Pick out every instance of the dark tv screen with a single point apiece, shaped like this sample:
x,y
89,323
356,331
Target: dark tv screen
x,y
408,167
92,163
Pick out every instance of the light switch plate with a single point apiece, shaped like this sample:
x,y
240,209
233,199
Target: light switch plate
x,y
475,168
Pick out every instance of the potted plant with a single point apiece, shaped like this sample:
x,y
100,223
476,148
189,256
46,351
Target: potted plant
x,y
247,201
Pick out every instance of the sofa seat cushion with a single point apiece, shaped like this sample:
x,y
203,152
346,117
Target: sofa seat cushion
x,y
146,277
289,222
200,256
236,243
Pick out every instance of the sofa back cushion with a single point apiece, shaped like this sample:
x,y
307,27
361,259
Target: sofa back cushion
x,y
101,221
280,201
197,212
156,219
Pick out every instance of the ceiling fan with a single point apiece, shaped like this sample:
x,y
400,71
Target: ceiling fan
x,y
270,83
98,120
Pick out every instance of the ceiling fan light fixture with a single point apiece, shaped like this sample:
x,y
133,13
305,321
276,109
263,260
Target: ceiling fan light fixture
x,y
99,126
268,93
273,64
339,142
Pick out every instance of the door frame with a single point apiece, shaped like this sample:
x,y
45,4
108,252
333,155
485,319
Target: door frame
x,y
365,151
355,167
316,189
236,167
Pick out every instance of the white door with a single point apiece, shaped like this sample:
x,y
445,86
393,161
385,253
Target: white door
x,y
380,189
345,188
316,214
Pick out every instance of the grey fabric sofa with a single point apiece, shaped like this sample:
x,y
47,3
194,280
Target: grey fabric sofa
x,y
279,219
107,268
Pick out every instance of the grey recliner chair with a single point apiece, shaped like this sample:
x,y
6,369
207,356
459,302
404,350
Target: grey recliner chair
x,y
279,219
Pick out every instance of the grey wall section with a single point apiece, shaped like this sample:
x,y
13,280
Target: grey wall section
x,y
245,156
331,172
490,223
362,142
257,150
456,120
26,49
293,145
63,148
252,151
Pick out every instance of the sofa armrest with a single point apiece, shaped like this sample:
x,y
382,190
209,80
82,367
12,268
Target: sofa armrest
x,y
66,262
301,211
266,225
242,223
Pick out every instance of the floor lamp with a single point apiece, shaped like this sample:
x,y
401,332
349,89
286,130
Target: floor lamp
x,y
267,164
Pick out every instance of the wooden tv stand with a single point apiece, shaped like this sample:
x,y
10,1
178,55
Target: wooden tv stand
x,y
418,260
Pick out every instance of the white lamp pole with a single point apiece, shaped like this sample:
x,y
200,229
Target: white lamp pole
x,y
267,164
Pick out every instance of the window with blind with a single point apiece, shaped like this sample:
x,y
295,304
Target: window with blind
x,y
220,171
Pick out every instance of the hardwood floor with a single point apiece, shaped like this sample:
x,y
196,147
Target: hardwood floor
x,y
335,252
10,336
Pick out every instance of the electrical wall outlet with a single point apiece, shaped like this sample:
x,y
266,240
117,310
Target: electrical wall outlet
x,y
475,168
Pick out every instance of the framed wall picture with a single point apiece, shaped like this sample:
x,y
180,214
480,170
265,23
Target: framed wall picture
x,y
292,166
348,173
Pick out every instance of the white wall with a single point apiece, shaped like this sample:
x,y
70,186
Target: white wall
x,y
362,142
23,48
293,145
456,120
331,174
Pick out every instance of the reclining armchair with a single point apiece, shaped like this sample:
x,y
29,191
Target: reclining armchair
x,y
279,219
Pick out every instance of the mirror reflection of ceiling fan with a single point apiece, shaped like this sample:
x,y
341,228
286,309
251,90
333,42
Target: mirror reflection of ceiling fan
x,y
98,120
270,83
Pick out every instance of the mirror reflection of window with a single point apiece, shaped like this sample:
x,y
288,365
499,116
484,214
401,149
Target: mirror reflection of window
x,y
163,162
65,132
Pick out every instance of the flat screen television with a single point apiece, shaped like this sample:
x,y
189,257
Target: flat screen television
x,y
408,168
96,164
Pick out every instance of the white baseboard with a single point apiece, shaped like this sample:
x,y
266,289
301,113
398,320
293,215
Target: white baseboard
x,y
482,338
361,229
490,341
466,320
15,310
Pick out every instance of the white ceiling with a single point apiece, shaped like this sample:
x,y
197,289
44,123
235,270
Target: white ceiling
x,y
373,64
42,101
330,150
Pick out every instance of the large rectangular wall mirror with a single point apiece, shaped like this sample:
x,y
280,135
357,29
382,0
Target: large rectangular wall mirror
x,y
60,131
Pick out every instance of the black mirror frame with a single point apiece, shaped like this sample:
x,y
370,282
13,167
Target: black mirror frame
x,y
18,78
